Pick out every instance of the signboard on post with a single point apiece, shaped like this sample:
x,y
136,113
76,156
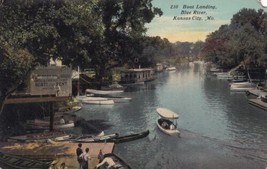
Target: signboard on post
x,y
51,80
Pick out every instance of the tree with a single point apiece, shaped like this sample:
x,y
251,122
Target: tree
x,y
244,40
124,28
14,67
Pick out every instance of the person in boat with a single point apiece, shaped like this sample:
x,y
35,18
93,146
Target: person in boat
x,y
100,156
172,127
164,124
62,120
79,152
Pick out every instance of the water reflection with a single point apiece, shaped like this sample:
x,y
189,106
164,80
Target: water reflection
x,y
219,129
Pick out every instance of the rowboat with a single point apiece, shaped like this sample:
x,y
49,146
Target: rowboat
x,y
19,162
165,121
242,86
171,68
101,102
111,160
40,137
104,92
43,124
116,99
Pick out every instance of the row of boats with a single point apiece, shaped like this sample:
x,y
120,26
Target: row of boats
x,y
60,136
240,83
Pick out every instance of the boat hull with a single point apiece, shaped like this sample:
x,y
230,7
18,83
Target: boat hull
x,y
117,162
19,162
103,92
167,130
99,102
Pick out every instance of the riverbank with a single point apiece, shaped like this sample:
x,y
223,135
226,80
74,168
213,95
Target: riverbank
x,y
62,152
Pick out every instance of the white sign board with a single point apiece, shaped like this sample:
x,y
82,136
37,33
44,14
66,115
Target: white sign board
x,y
52,80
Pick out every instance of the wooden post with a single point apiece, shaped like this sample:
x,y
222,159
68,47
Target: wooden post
x,y
52,114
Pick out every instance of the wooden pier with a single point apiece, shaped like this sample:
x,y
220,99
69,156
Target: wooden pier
x,y
62,151
258,103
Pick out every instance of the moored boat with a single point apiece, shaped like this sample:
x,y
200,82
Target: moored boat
x,y
19,162
43,124
40,137
171,68
104,92
129,137
100,102
94,139
242,86
114,138
165,122
111,160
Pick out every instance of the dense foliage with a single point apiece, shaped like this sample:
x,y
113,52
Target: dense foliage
x,y
244,40
100,34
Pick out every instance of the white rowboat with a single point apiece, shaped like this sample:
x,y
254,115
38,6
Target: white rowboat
x,y
103,92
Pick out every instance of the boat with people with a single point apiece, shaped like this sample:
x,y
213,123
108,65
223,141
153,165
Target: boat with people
x,y
166,121
20,162
111,160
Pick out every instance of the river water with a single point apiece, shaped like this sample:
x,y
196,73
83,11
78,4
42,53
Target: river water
x,y
219,129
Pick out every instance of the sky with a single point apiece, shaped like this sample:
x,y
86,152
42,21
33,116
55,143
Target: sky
x,y
188,20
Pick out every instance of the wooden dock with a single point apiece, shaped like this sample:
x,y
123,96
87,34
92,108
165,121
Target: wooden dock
x,y
62,151
258,103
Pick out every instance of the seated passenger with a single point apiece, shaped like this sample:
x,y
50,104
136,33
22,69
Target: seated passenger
x,y
172,126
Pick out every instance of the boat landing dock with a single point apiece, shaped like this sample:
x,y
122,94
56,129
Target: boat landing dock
x,y
258,103
62,151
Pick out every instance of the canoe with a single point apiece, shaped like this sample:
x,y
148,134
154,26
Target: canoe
x,y
111,160
19,162
130,137
104,92
94,139
40,137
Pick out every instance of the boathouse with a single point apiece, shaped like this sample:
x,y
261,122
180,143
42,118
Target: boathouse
x,y
137,75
